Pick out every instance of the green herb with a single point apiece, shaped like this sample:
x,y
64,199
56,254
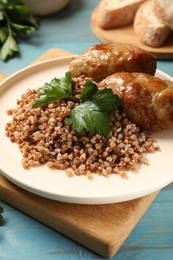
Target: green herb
x,y
15,20
1,217
94,112
55,90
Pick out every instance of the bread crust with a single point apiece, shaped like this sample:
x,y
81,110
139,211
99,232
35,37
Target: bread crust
x,y
164,13
148,28
108,18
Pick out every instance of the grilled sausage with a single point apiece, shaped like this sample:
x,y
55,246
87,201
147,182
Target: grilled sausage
x,y
147,100
102,60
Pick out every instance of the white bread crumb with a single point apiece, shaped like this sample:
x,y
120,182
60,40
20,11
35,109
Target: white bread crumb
x,y
148,27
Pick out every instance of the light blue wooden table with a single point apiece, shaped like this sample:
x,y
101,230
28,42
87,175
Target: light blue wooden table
x,y
23,238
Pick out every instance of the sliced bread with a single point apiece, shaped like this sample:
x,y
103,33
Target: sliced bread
x,y
148,27
116,13
163,9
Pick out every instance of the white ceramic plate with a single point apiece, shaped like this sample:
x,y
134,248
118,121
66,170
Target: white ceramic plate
x,y
54,184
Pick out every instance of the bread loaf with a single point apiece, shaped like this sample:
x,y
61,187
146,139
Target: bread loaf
x,y
148,27
116,13
163,9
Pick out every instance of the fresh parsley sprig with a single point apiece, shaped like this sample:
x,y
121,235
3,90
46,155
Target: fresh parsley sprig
x,y
15,20
1,217
93,113
56,89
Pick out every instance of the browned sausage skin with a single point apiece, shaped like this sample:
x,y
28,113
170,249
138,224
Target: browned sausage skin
x,y
102,60
147,100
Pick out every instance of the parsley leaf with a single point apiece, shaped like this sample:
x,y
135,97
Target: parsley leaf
x,y
15,20
89,90
106,100
88,116
56,89
9,47
93,113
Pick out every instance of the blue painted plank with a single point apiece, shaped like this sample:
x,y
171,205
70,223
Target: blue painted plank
x,y
23,238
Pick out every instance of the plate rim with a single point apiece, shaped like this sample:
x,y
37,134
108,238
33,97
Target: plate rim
x,y
32,66
74,199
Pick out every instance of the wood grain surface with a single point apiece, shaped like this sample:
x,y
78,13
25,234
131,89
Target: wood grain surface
x,y
126,34
100,228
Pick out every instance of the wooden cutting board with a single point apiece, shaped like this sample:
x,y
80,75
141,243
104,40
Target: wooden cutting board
x,y
100,228
126,34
